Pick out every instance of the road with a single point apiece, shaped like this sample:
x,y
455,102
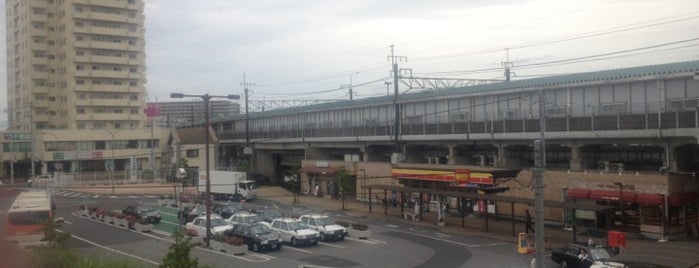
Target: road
x,y
392,243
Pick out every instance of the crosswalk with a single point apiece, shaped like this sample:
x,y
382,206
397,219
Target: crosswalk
x,y
72,194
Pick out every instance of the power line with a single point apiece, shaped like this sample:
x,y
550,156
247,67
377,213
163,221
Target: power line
x,y
628,27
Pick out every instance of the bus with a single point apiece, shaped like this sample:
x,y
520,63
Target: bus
x,y
26,219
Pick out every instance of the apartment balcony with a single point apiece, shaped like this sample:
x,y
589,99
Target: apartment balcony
x,y
42,46
40,104
108,31
108,60
101,16
109,88
40,89
104,102
37,4
40,118
40,75
137,5
106,74
39,61
37,32
103,117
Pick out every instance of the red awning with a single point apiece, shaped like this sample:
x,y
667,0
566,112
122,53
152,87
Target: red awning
x,y
612,195
649,199
682,198
577,193
319,170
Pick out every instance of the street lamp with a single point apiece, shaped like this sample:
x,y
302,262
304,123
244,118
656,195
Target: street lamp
x,y
113,161
621,203
363,183
206,98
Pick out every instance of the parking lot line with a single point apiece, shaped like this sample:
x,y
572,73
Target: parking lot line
x,y
298,249
330,245
368,241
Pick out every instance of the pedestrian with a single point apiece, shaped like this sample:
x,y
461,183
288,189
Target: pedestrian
x,y
529,223
316,190
582,255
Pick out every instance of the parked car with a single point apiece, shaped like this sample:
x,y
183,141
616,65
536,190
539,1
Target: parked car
x,y
218,225
146,212
578,255
257,236
243,217
327,228
295,232
189,214
227,210
268,215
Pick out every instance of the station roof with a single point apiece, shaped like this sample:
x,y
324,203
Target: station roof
x,y
577,79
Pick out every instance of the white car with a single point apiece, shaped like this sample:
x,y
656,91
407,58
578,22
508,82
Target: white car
x,y
295,232
218,225
327,228
243,217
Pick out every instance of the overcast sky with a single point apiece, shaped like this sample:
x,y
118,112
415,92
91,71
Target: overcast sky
x,y
300,50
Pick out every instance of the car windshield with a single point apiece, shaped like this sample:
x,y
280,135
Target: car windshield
x,y
231,208
145,208
324,221
218,222
272,214
599,253
297,225
251,219
260,229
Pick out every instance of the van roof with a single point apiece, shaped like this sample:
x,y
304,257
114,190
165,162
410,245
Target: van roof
x,y
34,200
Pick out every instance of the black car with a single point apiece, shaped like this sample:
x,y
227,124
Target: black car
x,y
227,210
578,255
257,236
188,214
143,212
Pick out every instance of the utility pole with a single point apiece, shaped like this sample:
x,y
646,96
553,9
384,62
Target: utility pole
x,y
396,129
507,64
539,167
387,87
247,150
31,139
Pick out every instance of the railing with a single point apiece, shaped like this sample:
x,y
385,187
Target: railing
x,y
648,121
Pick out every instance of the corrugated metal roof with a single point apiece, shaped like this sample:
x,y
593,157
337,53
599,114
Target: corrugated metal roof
x,y
552,81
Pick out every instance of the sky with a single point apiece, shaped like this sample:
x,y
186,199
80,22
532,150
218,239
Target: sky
x,y
308,50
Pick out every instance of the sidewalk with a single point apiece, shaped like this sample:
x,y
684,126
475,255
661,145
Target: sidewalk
x,y
473,225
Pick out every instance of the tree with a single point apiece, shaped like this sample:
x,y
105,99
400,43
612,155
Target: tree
x,y
294,183
342,180
178,257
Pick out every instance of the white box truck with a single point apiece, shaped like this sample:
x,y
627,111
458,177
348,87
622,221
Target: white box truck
x,y
229,185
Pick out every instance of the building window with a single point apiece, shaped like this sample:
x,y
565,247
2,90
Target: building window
x,y
191,153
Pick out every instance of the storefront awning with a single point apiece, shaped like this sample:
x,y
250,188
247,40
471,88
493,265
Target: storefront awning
x,y
612,195
459,176
650,199
577,193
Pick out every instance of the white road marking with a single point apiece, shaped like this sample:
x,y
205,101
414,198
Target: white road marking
x,y
132,196
368,241
242,257
330,245
96,196
442,235
298,249
113,196
392,226
445,240
114,250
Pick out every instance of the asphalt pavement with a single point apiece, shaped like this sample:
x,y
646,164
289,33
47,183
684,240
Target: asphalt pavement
x,y
473,225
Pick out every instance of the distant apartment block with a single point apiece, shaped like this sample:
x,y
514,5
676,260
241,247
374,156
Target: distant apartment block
x,y
72,66
186,112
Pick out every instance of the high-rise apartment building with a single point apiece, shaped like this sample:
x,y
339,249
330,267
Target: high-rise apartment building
x,y
75,64
75,87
